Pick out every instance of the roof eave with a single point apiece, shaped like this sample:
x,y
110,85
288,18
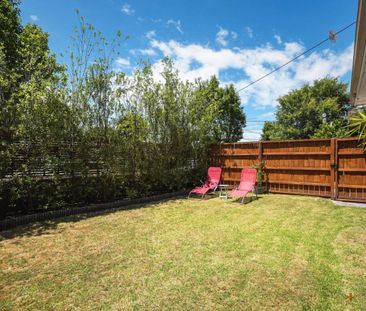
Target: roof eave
x,y
359,57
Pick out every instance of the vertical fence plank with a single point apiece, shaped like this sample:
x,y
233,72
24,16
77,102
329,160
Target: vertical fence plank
x,y
260,152
351,173
333,167
336,150
260,159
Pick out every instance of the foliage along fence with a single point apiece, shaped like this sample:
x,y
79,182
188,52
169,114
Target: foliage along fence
x,y
37,178
334,168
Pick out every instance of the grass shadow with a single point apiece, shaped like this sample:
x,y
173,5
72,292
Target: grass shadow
x,y
247,199
209,196
44,227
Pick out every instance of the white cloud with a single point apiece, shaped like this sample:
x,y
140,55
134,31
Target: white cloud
x,y
176,24
326,61
252,135
127,9
123,62
252,132
34,18
150,34
148,52
156,20
249,32
221,36
252,63
278,39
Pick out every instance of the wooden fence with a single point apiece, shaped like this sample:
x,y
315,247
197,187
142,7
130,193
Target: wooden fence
x,y
334,168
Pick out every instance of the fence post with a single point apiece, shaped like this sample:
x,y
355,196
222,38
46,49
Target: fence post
x,y
220,156
332,168
260,151
336,168
260,159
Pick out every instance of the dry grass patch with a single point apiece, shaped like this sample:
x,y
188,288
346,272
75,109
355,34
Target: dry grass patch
x,y
276,253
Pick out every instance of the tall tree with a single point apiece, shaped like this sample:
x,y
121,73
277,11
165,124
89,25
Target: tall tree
x,y
313,111
26,63
216,112
41,82
10,31
231,118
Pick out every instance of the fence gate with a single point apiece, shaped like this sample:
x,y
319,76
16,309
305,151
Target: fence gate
x,y
350,171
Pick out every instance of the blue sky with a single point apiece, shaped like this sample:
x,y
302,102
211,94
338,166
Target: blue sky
x,y
237,40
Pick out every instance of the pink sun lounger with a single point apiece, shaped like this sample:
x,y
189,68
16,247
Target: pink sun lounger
x,y
211,183
248,179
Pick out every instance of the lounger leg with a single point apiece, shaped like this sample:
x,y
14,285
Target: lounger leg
x,y
189,194
242,200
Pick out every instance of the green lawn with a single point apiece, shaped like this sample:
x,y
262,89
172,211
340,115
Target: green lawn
x,y
276,253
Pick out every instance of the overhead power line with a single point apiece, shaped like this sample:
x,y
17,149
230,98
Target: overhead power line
x,y
331,37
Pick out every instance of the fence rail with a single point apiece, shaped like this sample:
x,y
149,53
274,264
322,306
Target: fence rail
x,y
334,168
